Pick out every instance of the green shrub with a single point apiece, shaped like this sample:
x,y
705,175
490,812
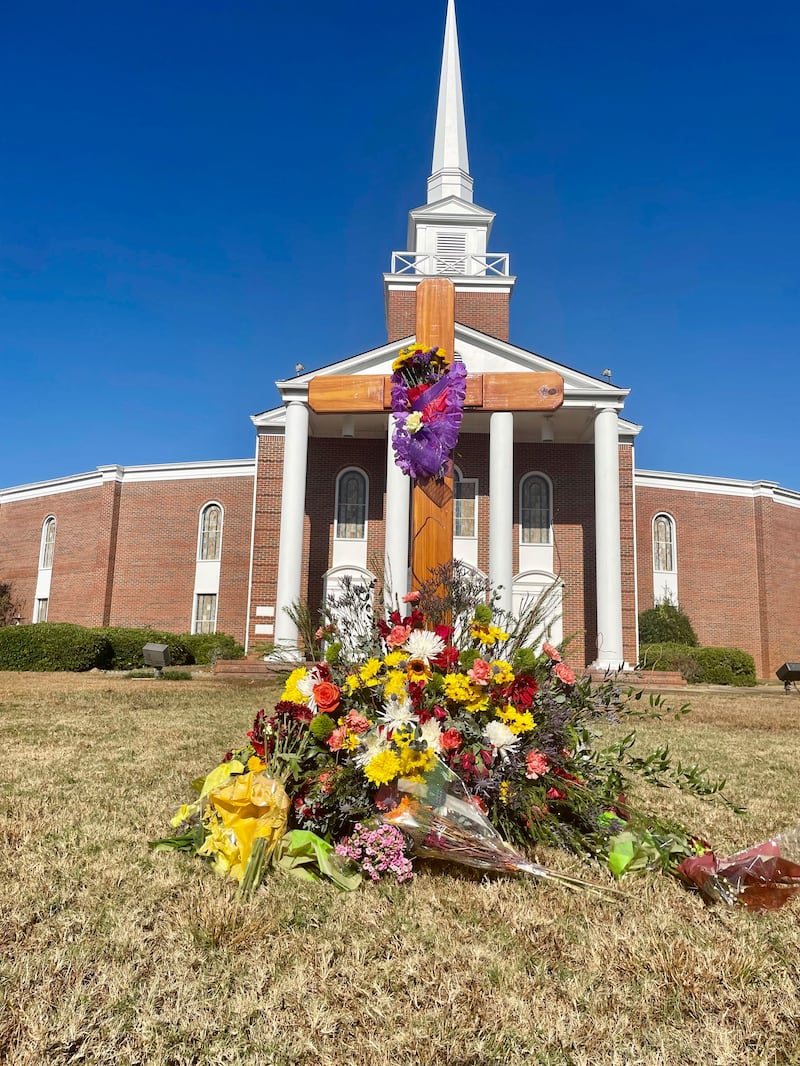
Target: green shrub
x,y
127,645
666,623
53,646
710,666
726,666
208,647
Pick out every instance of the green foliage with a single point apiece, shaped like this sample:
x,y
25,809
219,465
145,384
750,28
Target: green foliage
x,y
127,645
53,646
666,623
208,647
165,675
710,666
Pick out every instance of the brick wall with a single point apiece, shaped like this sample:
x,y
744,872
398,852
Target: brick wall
x,y
125,552
484,311
76,581
269,480
738,569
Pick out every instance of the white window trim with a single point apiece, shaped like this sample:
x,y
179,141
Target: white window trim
x,y
549,481
339,476
195,605
43,542
459,478
673,526
203,509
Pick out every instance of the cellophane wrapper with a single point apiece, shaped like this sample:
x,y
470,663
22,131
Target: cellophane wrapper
x,y
762,877
443,822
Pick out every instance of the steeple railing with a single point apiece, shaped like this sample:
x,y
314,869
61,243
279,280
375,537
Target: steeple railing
x,y
449,265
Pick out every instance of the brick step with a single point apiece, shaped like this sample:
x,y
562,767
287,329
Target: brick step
x,y
236,668
644,678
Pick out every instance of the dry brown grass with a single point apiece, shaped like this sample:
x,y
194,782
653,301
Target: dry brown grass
x,y
113,954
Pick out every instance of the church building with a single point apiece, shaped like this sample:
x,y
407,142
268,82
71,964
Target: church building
x,y
544,500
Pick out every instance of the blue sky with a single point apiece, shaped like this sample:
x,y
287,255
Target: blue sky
x,y
195,197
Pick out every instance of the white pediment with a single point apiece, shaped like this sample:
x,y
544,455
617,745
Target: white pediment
x,y
480,353
452,207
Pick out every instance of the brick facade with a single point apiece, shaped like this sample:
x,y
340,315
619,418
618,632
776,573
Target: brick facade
x,y
484,311
738,569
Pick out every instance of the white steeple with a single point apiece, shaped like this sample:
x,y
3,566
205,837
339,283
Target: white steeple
x,y
450,172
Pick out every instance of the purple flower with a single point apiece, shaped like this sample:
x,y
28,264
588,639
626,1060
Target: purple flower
x,y
426,426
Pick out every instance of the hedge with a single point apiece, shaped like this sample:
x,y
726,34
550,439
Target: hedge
x,y
53,646
208,647
710,666
666,623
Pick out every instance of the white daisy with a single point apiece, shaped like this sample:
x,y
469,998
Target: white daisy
x,y
500,737
372,744
398,711
422,644
431,734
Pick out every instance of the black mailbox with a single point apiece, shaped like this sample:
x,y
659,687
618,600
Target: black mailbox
x,y
157,656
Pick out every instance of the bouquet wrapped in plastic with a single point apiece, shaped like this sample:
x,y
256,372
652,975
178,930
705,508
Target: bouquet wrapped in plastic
x,y
763,877
443,822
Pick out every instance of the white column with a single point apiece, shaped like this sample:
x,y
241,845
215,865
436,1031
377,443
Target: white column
x,y
293,505
398,511
610,653
501,505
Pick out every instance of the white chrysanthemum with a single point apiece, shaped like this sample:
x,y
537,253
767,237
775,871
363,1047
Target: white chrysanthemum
x,y
422,644
500,737
398,710
431,734
306,686
372,744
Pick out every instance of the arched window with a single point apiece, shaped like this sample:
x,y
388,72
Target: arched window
x,y
210,540
664,544
535,509
351,505
465,505
48,544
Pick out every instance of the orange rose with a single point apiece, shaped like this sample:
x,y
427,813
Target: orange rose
x,y
326,696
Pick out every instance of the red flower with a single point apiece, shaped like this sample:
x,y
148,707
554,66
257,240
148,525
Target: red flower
x,y
326,696
556,794
450,740
521,692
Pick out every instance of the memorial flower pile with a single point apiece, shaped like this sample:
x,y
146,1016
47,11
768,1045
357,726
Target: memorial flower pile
x,y
427,402
457,742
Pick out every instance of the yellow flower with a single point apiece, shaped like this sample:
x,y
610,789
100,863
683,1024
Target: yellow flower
x,y
351,742
369,672
402,737
395,684
418,670
382,768
254,764
394,658
459,689
501,672
505,792
290,690
414,421
415,763
517,721
486,635
353,682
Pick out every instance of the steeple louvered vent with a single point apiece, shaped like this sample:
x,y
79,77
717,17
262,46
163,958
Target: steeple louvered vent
x,y
451,253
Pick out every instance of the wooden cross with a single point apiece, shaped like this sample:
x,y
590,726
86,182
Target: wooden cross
x,y
432,498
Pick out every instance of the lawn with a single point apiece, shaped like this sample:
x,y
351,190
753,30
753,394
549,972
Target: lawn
x,y
110,953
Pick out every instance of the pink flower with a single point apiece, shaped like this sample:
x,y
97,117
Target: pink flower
x,y
320,633
563,673
551,652
356,722
536,764
480,672
412,597
397,636
336,739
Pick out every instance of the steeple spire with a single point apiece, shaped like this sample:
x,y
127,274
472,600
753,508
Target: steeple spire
x,y
450,172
